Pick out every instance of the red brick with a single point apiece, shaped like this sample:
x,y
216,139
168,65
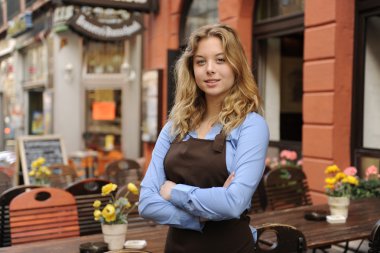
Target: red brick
x,y
317,141
318,108
320,42
319,75
319,12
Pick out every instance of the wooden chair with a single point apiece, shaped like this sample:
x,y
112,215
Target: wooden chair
x,y
6,198
374,239
279,238
286,188
123,171
42,214
86,192
62,175
134,218
5,182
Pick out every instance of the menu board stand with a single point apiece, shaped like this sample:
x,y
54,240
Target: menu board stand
x,y
29,148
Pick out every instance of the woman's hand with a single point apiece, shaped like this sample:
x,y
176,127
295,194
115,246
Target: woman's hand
x,y
229,179
166,189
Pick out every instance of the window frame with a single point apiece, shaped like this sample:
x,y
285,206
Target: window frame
x,y
275,27
364,10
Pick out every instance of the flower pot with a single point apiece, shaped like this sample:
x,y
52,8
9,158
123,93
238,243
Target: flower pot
x,y
114,235
339,205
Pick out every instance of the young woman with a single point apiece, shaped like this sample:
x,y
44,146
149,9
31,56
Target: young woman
x,y
210,156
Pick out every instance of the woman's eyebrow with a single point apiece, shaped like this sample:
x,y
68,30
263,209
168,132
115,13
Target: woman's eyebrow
x,y
218,54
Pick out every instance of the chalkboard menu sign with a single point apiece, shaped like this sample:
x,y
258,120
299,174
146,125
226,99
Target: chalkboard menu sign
x,y
32,147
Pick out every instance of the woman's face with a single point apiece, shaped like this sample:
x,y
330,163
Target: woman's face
x,y
213,74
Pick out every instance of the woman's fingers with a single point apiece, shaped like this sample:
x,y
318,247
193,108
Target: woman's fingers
x,y
229,180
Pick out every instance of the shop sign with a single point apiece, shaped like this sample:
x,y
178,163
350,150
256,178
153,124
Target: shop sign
x,y
20,25
105,27
129,5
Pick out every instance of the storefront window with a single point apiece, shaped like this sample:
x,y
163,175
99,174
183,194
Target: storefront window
x,y
103,119
104,58
34,67
268,9
201,13
279,61
30,2
13,8
11,105
366,89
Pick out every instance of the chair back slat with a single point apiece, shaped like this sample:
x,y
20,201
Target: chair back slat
x,y
86,192
286,188
5,198
279,238
41,214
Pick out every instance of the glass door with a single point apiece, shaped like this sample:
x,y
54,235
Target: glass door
x,y
103,119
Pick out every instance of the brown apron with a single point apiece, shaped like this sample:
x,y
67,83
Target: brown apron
x,y
202,163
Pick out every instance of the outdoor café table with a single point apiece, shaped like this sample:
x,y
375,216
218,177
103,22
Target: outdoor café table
x,y
362,216
154,235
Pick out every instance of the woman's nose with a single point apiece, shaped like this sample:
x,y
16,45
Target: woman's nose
x,y
210,68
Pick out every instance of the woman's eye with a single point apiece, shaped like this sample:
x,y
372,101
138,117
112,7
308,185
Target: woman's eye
x,y
200,62
220,60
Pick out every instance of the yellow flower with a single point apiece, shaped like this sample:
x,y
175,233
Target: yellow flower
x,y
330,180
128,205
35,164
32,173
109,213
45,170
340,175
96,204
40,161
97,214
332,169
351,180
108,188
132,188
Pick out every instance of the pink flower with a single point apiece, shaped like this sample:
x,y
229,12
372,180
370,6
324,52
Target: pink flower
x,y
371,170
350,171
292,156
283,162
300,162
284,154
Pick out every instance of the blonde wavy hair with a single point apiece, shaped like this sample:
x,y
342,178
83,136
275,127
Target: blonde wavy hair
x,y
190,104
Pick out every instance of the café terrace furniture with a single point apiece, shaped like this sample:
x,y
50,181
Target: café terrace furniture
x,y
134,219
5,182
374,239
123,171
362,215
279,238
286,187
43,214
62,175
86,192
317,233
6,198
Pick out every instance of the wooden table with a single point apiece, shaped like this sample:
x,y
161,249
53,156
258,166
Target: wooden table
x,y
362,217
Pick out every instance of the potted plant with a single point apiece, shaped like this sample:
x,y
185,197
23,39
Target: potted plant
x,y
114,215
339,188
39,172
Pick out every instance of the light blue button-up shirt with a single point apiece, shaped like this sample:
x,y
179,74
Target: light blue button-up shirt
x,y
246,148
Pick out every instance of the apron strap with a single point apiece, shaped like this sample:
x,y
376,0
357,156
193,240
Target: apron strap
x,y
219,142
